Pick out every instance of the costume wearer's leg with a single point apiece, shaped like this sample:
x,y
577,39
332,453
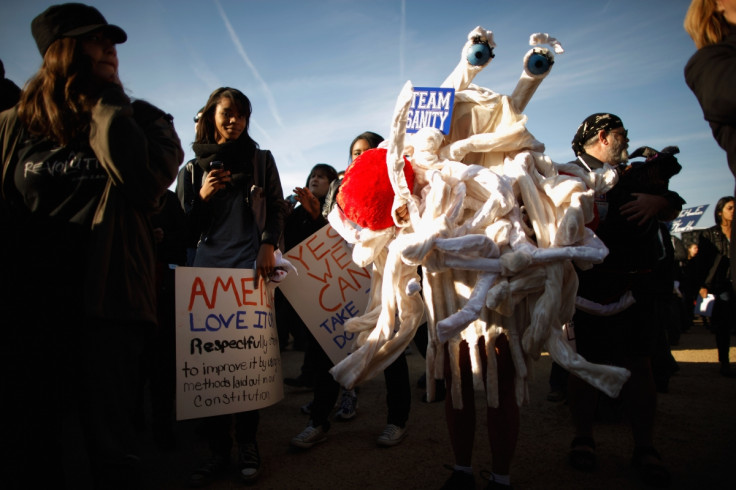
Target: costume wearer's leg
x,y
503,422
326,389
246,426
421,339
398,391
461,423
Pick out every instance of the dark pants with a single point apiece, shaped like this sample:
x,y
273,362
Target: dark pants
x,y
398,391
69,386
218,431
723,320
326,389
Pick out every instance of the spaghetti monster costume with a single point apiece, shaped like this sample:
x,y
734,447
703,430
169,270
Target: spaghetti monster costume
x,y
495,225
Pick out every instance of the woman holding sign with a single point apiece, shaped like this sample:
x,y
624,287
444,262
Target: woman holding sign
x,y
83,169
303,221
232,196
396,375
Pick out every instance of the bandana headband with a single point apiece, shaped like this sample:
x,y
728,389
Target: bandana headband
x,y
590,127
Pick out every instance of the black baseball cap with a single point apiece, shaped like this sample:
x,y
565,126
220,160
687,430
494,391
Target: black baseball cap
x,y
71,20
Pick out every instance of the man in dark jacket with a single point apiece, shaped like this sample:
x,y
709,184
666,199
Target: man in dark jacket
x,y
627,337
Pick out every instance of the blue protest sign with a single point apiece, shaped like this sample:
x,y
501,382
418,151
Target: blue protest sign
x,y
687,219
431,107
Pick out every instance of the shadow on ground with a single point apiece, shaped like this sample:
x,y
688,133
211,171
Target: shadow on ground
x,y
695,433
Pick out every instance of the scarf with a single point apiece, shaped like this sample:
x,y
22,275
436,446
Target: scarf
x,y
236,155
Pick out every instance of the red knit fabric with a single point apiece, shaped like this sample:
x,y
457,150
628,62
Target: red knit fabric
x,y
366,195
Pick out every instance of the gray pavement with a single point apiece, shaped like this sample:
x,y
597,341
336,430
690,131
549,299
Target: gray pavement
x,y
696,435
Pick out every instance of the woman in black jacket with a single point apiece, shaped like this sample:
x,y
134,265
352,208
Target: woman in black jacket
x,y
714,277
232,196
711,71
83,170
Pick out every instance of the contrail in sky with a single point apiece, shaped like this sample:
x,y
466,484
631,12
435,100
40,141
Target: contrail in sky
x,y
244,55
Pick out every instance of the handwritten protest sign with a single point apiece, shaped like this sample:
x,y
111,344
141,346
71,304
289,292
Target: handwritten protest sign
x,y
227,348
430,107
328,290
687,219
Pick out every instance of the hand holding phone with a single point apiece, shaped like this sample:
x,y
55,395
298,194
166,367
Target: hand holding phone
x,y
217,179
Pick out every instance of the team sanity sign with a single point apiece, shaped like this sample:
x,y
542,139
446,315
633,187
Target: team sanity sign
x,y
430,107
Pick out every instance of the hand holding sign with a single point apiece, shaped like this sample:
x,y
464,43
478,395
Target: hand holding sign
x,y
227,350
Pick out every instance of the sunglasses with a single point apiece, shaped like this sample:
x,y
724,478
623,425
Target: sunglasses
x,y
623,132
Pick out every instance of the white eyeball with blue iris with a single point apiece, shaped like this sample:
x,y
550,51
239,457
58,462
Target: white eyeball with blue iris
x,y
479,53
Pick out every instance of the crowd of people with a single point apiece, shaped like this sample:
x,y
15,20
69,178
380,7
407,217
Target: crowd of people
x,y
94,219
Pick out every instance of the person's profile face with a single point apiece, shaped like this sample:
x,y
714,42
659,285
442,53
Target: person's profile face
x,y
229,122
727,8
727,212
102,54
618,146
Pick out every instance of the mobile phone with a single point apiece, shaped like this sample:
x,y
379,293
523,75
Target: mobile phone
x,y
216,165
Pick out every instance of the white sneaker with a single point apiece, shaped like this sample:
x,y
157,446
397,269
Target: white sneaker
x,y
391,435
309,437
348,405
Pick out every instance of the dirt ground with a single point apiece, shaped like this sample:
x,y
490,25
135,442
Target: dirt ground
x,y
695,433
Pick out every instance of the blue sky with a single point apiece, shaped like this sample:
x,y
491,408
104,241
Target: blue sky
x,y
318,72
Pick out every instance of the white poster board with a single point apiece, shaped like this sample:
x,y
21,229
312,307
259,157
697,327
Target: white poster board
x,y
227,347
328,290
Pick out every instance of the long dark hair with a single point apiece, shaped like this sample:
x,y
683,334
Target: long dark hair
x,y
57,101
206,131
373,139
718,212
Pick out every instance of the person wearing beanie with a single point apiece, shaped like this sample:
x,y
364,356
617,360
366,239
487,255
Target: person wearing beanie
x,y
84,167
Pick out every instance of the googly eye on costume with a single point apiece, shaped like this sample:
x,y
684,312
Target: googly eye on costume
x,y
539,62
479,53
